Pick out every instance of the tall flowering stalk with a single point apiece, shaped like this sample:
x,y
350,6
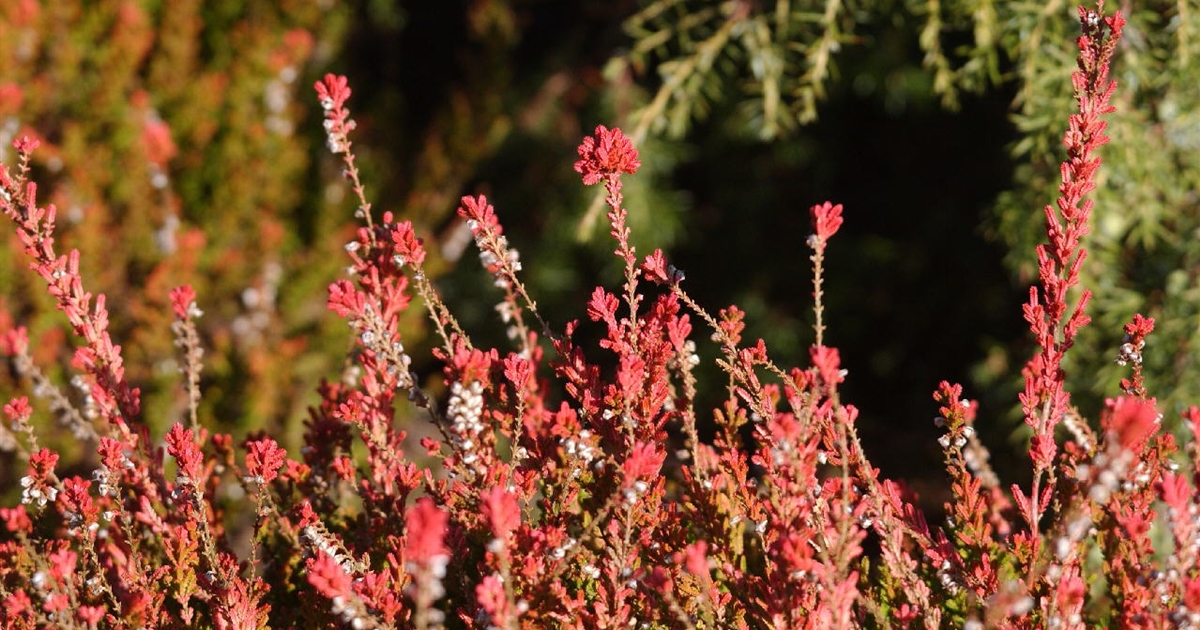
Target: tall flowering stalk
x,y
1053,320
114,398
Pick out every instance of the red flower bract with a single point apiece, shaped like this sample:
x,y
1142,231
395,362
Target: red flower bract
x,y
426,532
608,152
826,219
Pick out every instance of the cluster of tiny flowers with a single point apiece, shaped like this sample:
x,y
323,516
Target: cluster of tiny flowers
x,y
277,97
107,480
633,493
33,494
959,441
581,449
946,578
348,610
465,411
322,542
688,359
82,386
371,331
335,141
1130,352
491,261
429,578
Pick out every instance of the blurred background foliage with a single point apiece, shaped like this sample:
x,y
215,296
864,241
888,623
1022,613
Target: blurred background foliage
x,y
184,145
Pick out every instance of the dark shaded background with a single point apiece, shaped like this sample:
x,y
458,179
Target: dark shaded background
x,y
915,294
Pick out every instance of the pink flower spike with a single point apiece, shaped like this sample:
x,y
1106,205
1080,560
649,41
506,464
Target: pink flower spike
x,y
16,519
607,153
425,532
409,248
76,500
501,510
329,578
645,461
1139,327
479,215
826,219
181,444
14,341
157,142
1133,420
38,486
183,301
828,364
656,269
18,410
333,91
696,558
493,600
26,145
41,463
264,458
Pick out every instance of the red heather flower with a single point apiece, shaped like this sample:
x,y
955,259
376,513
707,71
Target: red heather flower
x,y
77,501
826,219
519,371
41,464
11,97
344,299
16,519
1191,593
157,142
1133,420
425,532
501,510
479,215
603,307
607,153
409,248
18,411
657,270
62,564
264,458
17,603
329,578
696,558
493,600
181,444
828,364
333,91
1139,327
183,300
644,462
90,615
26,145
14,341
733,323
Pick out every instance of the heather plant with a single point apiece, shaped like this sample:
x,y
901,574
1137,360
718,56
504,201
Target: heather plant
x,y
564,483
763,68
172,140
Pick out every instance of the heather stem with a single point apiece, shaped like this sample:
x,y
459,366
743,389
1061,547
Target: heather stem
x,y
620,231
1052,320
818,259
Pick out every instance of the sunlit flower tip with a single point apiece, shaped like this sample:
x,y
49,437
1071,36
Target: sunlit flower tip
x,y
658,271
826,219
607,152
183,301
26,145
425,532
